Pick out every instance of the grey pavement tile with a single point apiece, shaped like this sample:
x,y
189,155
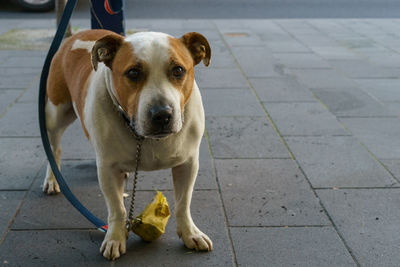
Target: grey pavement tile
x,y
351,102
83,246
330,51
368,221
388,60
321,78
242,38
20,161
8,97
256,61
382,89
232,102
162,180
301,60
36,62
9,202
24,54
244,137
309,246
260,192
52,248
220,78
75,145
16,81
20,120
380,135
31,95
393,165
281,89
338,162
304,119
287,46
364,69
220,56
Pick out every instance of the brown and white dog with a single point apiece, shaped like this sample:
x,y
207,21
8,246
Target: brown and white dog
x,y
151,75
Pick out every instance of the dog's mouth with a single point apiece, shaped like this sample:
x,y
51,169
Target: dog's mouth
x,y
159,135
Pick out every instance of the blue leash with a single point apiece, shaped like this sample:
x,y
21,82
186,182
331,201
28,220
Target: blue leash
x,y
62,27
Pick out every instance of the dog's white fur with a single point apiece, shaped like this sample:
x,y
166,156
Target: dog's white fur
x,y
115,145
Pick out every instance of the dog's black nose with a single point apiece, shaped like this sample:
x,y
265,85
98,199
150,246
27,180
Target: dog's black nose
x,y
161,116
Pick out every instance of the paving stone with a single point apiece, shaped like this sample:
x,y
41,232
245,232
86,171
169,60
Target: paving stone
x,y
162,180
18,72
314,246
8,97
364,69
206,212
351,102
16,82
393,166
220,56
36,62
304,119
368,221
20,161
338,162
380,135
244,137
242,38
289,46
233,102
301,60
382,89
9,202
21,120
281,89
220,78
388,60
330,51
321,78
267,193
75,145
256,61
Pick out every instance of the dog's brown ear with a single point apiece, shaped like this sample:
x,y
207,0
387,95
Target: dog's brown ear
x,y
198,47
105,49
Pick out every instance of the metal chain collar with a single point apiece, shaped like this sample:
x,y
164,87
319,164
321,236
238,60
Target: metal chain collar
x,y
129,223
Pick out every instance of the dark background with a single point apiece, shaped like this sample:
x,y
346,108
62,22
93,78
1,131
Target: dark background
x,y
224,9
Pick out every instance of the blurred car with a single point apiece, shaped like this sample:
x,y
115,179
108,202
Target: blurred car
x,y
36,5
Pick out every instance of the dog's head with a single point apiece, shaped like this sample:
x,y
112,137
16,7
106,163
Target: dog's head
x,y
152,76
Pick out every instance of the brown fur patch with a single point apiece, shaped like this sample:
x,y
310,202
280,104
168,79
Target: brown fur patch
x,y
128,91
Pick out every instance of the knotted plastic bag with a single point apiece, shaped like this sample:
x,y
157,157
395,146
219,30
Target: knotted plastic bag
x,y
150,224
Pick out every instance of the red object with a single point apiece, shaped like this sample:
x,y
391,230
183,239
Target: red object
x,y
108,8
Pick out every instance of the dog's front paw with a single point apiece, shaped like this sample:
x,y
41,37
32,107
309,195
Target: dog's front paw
x,y
113,248
50,186
195,239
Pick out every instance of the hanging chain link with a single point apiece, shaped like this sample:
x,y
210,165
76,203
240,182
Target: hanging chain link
x,y
130,221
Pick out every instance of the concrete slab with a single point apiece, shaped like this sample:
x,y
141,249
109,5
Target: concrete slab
x,y
321,78
220,78
232,102
256,61
297,246
267,193
382,89
20,161
282,89
304,119
301,60
21,120
351,102
367,220
338,162
244,137
9,203
393,165
380,135
364,69
8,97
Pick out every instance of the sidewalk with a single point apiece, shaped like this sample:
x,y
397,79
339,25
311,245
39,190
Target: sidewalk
x,y
300,163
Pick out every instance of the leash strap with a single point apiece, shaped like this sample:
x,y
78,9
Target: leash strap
x,y
62,27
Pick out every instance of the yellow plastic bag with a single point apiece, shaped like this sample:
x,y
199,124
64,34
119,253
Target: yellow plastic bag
x,y
150,224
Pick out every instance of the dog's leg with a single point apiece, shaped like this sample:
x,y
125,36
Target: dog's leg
x,y
184,177
112,186
58,118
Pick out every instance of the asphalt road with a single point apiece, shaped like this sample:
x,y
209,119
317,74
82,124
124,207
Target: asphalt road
x,y
225,9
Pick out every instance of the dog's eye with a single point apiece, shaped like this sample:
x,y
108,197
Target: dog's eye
x,y
133,74
178,72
